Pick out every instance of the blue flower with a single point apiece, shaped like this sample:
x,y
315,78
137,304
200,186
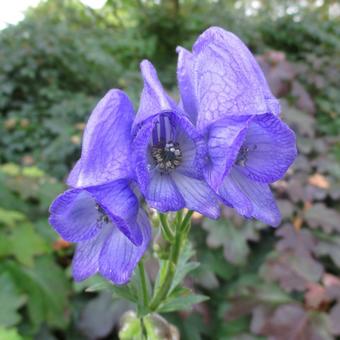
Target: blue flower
x,y
169,153
225,94
101,212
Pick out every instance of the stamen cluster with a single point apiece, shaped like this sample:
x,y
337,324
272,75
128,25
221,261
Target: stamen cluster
x,y
168,156
101,215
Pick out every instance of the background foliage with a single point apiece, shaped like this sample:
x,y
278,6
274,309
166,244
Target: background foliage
x,y
262,283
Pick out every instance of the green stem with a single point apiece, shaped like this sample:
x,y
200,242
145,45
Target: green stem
x,y
175,250
167,231
143,282
187,219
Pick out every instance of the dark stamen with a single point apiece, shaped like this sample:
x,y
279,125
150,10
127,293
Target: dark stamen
x,y
168,156
101,215
242,156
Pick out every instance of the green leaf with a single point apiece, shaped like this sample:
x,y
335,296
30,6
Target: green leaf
x,y
182,299
127,292
26,243
132,291
11,218
184,267
47,289
11,301
92,284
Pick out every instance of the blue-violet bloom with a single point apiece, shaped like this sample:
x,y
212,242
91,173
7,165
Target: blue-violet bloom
x,y
169,153
101,212
225,94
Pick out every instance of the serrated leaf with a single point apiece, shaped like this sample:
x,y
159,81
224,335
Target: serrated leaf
x,y
184,267
321,216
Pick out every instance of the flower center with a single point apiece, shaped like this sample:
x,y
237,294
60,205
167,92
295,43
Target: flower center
x,y
242,156
101,215
168,156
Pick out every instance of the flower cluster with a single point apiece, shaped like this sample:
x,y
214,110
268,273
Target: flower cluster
x,y
222,143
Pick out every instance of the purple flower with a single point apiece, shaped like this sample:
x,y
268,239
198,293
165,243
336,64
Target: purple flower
x,y
169,153
101,212
225,94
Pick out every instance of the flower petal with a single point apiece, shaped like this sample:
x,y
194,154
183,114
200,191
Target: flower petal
x,y
186,83
272,149
193,148
154,99
157,187
225,138
197,195
119,256
250,198
121,205
86,258
106,143
227,83
74,215
162,193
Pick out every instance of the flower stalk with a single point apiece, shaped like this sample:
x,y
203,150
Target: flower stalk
x,y
181,228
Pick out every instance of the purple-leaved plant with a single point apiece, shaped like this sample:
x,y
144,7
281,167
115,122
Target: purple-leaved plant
x,y
225,94
101,212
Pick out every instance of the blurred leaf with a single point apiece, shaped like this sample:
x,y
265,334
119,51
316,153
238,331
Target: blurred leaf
x,y
9,334
47,290
293,266
321,216
100,315
10,217
293,322
234,239
25,243
328,245
300,122
11,301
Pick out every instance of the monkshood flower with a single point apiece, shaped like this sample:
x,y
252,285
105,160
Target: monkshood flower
x,y
169,153
100,212
225,94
